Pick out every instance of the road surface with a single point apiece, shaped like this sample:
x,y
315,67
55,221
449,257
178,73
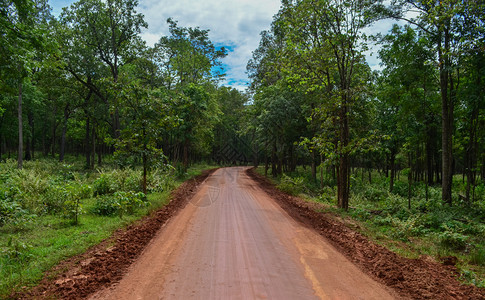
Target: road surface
x,y
232,241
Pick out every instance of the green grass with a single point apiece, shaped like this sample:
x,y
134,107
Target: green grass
x,y
32,245
428,228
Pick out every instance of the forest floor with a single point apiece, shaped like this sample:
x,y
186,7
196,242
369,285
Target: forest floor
x,y
280,246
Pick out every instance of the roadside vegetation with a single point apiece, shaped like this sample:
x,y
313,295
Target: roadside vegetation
x,y
50,211
411,226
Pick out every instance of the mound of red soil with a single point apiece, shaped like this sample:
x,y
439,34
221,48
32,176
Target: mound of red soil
x,y
103,264
420,278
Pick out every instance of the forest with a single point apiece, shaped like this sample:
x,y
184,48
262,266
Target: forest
x,y
89,111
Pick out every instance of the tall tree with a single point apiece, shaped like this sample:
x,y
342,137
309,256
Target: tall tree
x,y
111,30
334,31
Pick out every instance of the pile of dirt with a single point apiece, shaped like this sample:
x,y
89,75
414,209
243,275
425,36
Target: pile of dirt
x,y
105,263
421,278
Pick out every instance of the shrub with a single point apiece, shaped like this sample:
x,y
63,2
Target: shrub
x,y
133,183
374,194
66,200
328,194
453,240
477,257
400,188
105,205
16,251
105,184
71,207
12,212
119,203
293,186
54,199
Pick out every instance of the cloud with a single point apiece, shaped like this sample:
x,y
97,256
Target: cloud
x,y
235,24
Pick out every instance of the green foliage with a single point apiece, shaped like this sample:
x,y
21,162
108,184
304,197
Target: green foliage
x,y
107,183
453,240
12,212
119,203
292,185
15,251
477,256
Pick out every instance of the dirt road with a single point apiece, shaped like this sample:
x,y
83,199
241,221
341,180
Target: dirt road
x,y
232,241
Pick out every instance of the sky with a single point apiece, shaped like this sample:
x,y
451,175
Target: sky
x,y
234,24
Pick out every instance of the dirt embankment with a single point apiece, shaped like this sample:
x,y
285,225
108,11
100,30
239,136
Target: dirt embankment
x,y
420,278
101,265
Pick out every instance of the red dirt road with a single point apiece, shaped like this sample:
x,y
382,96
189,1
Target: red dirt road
x,y
233,241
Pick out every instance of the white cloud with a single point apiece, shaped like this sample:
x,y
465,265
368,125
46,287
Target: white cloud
x,y
231,23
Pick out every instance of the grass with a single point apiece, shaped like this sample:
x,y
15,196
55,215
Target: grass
x,y
428,228
34,244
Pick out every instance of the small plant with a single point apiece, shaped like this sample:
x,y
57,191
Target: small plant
x,y
16,251
72,208
12,212
293,186
105,206
477,257
374,194
120,203
105,184
453,240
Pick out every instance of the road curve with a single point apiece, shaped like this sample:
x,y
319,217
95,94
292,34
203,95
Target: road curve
x,y
232,241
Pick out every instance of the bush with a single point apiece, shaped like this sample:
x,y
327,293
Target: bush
x,y
66,200
105,184
400,188
374,194
328,194
54,199
453,240
71,207
105,205
293,186
12,212
119,203
477,257
16,251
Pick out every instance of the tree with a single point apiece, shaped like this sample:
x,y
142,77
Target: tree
x,y
22,24
438,19
110,30
408,97
327,37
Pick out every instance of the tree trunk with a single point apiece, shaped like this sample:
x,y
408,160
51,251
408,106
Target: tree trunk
x,y
93,137
344,166
273,160
393,170
145,163
447,120
410,180
54,133
87,146
21,133
29,151
470,153
186,154
321,170
63,136
314,167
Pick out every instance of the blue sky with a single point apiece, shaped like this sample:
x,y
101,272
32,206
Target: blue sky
x,y
235,24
